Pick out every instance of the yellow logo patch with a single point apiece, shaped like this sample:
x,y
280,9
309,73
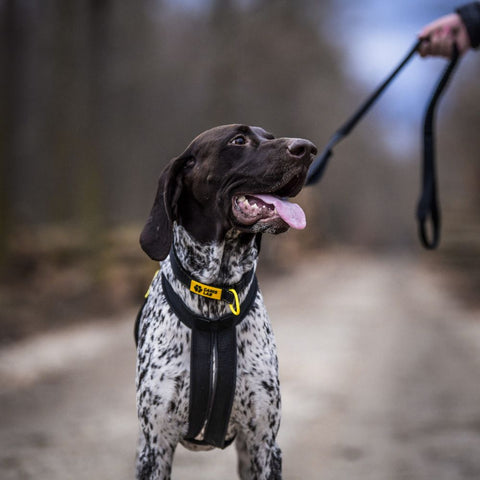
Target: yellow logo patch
x,y
205,290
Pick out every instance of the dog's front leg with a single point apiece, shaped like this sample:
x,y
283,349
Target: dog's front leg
x,y
159,435
259,456
154,457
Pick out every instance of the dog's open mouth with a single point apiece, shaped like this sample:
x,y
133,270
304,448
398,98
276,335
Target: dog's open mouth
x,y
267,208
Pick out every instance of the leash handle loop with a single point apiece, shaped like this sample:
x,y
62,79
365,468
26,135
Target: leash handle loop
x,y
428,210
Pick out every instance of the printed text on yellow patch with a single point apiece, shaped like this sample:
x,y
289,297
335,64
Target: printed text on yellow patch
x,y
205,290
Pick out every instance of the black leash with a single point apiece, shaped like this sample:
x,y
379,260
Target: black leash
x,y
428,205
320,163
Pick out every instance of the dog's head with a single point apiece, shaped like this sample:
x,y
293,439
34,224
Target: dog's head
x,y
233,176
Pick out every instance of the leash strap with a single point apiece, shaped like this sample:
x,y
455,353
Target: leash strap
x,y
319,165
428,205
213,367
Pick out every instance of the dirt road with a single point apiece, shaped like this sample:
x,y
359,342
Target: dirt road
x,y
380,375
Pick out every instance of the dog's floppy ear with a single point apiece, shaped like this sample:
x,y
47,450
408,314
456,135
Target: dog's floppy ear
x,y
157,234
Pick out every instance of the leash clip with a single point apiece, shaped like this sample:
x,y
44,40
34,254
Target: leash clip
x,y
234,307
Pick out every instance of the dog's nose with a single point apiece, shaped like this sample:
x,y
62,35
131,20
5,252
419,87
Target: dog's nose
x,y
301,148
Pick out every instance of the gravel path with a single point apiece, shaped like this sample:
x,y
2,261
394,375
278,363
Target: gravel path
x,y
380,375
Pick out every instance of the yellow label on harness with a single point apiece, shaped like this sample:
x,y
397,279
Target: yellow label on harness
x,y
205,290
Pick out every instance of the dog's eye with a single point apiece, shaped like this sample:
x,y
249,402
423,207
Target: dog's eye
x,y
239,140
190,162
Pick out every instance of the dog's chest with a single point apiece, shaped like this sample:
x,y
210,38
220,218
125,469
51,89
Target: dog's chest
x,y
164,350
163,380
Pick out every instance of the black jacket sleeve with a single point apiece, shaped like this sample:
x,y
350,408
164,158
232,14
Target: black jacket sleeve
x,y
470,15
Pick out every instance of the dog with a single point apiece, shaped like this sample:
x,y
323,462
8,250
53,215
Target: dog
x,y
213,203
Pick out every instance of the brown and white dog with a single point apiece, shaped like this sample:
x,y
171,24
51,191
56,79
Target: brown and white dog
x,y
213,202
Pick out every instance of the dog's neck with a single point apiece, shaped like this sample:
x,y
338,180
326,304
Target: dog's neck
x,y
216,263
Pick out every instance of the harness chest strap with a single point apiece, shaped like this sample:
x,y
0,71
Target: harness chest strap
x,y
213,358
213,367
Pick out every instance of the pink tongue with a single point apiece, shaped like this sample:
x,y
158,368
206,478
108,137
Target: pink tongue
x,y
290,213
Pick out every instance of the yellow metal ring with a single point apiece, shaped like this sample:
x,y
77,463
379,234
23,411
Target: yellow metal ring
x,y
235,308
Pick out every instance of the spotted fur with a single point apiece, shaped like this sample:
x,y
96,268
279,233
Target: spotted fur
x,y
164,359
192,215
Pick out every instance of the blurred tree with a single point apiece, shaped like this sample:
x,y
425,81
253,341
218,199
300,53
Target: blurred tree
x,y
99,95
14,32
90,208
223,50
9,32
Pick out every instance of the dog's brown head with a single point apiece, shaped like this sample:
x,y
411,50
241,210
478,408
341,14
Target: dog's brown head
x,y
233,176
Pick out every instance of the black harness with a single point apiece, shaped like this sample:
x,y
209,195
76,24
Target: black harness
x,y
213,358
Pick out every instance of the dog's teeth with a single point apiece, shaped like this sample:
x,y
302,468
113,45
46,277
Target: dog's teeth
x,y
241,199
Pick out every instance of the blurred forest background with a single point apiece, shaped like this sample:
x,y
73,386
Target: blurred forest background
x,y
97,95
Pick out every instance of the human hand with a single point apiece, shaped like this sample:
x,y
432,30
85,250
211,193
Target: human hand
x,y
440,35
